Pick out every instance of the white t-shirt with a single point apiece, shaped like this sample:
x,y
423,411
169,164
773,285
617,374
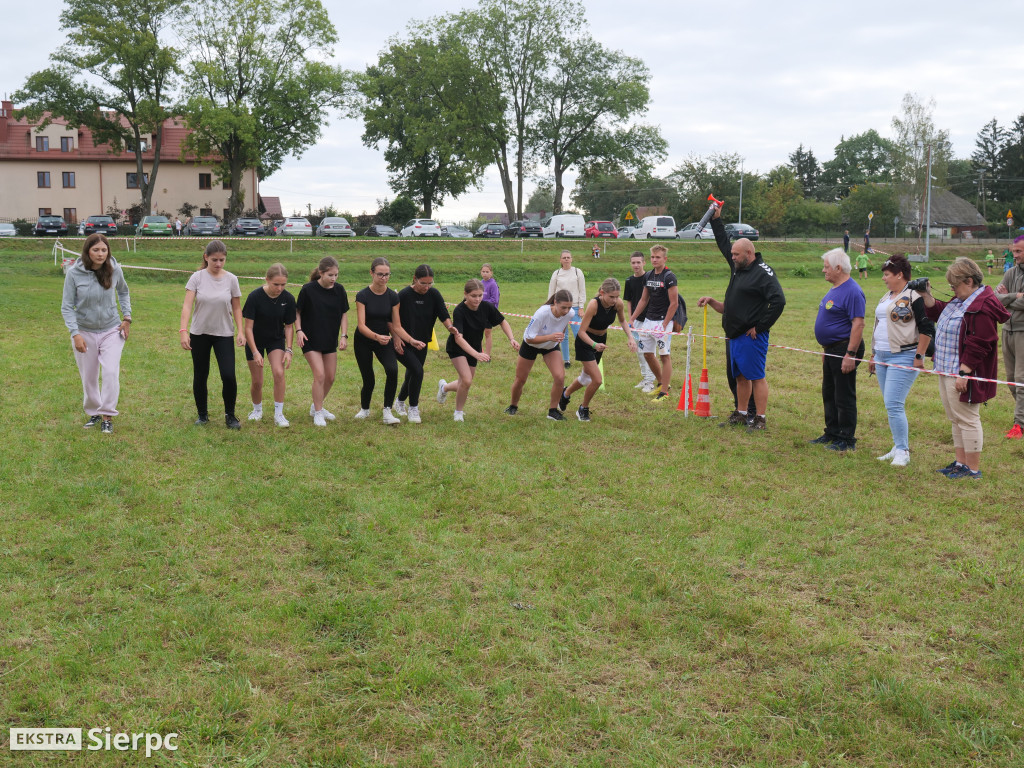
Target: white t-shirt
x,y
544,322
880,339
211,313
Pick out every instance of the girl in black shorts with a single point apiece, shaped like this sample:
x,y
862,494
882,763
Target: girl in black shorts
x,y
379,321
322,309
542,337
470,319
269,314
591,342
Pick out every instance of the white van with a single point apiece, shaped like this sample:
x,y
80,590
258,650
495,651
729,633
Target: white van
x,y
565,225
656,227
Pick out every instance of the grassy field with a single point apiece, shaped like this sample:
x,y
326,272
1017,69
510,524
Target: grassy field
x,y
642,590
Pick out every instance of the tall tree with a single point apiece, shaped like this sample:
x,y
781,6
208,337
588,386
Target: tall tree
x,y
415,99
1012,163
879,199
542,199
770,199
114,76
260,89
718,174
987,160
860,159
603,191
919,143
806,169
588,96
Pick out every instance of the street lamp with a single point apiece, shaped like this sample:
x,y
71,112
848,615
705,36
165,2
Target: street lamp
x,y
740,215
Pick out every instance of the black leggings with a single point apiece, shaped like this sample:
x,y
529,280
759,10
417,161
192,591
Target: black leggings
x,y
364,351
224,349
413,360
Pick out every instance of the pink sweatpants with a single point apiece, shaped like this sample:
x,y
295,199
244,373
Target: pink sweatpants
x,y
102,353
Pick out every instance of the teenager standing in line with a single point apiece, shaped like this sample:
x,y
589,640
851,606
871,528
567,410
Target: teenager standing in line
x,y
470,319
420,305
321,315
592,341
97,332
492,295
213,300
660,300
269,314
569,278
632,293
379,323
542,336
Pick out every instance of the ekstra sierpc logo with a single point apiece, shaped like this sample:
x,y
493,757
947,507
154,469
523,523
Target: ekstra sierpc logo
x,y
96,739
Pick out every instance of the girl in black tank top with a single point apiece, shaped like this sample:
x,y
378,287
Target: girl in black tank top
x,y
591,343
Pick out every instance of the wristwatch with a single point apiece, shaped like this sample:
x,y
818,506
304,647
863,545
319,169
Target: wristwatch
x,y
919,357
851,352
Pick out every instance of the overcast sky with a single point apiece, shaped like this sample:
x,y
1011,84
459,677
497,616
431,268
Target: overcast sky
x,y
752,78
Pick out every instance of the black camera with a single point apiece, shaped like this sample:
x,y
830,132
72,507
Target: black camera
x,y
919,284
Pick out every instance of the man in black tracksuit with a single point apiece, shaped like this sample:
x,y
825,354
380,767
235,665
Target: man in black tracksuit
x,y
753,302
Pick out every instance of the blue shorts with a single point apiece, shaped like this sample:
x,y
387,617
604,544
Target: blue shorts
x,y
749,356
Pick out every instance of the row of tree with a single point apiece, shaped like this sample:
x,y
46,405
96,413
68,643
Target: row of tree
x,y
247,76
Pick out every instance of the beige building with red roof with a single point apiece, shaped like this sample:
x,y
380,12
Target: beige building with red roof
x,y
61,171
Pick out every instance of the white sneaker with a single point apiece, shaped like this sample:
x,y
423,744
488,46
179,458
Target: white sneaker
x,y
327,414
318,419
441,394
281,421
400,408
363,413
459,416
649,387
900,458
414,414
889,455
641,383
390,418
256,414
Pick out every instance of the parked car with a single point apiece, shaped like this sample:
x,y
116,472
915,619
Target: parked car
x,y
8,230
450,230
381,230
564,225
737,230
523,229
105,225
335,226
154,225
493,229
657,227
694,232
202,225
297,226
51,225
421,228
626,232
600,229
246,228
275,227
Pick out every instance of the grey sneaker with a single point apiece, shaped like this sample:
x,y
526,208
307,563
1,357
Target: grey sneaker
x,y
512,410
441,394
92,422
555,415
108,427
583,414
736,419
231,421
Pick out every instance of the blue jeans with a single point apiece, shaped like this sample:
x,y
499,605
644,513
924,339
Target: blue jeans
x,y
895,385
574,313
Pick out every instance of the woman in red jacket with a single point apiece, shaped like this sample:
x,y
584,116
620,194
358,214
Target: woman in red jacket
x,y
966,332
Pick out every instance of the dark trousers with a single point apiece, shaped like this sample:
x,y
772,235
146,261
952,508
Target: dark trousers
x,y
839,393
224,350
413,360
751,408
365,350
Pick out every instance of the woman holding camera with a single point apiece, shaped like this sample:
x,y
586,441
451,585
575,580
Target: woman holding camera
x,y
966,332
901,337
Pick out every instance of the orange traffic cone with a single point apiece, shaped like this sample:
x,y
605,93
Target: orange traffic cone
x,y
704,396
686,396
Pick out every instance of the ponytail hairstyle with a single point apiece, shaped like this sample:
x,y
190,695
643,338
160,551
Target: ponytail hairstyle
x,y
610,284
105,274
423,270
473,285
326,263
276,270
558,297
380,260
212,247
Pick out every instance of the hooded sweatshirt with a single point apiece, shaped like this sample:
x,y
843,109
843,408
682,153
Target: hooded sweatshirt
x,y
87,305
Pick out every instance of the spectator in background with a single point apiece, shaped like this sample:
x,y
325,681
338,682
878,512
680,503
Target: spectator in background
x,y
177,226
990,260
867,242
846,241
571,279
1010,292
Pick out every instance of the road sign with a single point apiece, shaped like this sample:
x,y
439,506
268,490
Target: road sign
x,y
628,216
1009,222
1009,214
871,215
895,219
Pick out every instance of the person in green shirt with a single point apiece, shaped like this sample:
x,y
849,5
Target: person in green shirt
x,y
1007,260
990,260
863,262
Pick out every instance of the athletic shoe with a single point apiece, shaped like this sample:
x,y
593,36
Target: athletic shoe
x,y
555,415
256,414
92,422
563,401
459,416
840,445
963,473
660,397
953,466
512,410
648,387
232,421
568,364
900,458
441,394
1014,434
643,383
281,421
202,421
758,424
390,418
362,413
319,420
736,419
414,414
888,456
324,412
108,427
400,408
823,440
583,414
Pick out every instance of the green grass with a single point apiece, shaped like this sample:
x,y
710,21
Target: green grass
x,y
643,590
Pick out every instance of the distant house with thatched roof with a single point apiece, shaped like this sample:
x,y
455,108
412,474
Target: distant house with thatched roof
x,y
951,216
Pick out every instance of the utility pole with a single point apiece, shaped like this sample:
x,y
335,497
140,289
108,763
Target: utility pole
x,y
928,215
740,215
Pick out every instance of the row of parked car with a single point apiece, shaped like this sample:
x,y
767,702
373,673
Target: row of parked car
x,y
650,227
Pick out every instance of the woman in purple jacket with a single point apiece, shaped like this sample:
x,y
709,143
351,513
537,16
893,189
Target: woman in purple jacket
x,y
966,331
492,294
